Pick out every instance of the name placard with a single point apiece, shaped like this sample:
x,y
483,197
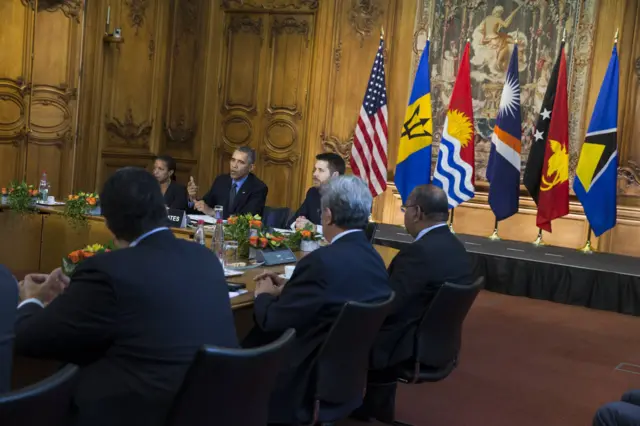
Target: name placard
x,y
177,218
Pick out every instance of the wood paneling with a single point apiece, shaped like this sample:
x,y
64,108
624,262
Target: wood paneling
x,y
39,79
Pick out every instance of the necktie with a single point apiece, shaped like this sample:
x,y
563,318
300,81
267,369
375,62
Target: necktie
x,y
232,194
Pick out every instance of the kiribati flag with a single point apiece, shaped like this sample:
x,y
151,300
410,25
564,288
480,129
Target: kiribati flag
x,y
503,170
455,166
596,174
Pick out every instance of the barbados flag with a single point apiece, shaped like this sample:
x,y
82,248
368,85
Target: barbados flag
x,y
456,158
503,170
595,182
413,166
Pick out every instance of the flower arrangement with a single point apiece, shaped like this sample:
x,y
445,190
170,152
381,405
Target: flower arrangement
x,y
263,240
73,259
20,197
79,206
305,239
238,229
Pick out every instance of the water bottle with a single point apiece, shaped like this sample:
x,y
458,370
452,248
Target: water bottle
x,y
217,242
43,189
199,235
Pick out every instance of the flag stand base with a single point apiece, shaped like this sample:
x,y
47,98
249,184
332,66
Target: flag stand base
x,y
538,242
587,248
494,236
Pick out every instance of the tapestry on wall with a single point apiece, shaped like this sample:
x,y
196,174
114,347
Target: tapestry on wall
x,y
492,27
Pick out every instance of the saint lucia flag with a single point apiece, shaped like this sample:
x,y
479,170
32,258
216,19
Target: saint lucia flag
x,y
454,171
503,170
595,182
413,166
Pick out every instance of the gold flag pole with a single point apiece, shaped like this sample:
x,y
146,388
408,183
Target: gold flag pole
x,y
451,222
538,242
495,236
586,249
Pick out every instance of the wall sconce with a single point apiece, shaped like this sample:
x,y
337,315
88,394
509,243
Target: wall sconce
x,y
116,36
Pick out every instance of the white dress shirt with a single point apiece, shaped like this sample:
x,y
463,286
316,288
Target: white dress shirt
x,y
427,230
342,234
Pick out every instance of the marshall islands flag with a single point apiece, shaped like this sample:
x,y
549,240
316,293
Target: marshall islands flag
x,y
413,166
503,170
454,171
596,174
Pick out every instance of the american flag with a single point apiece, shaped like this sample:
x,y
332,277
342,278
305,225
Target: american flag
x,y
369,151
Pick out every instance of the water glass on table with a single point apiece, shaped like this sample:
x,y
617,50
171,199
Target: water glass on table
x,y
218,212
229,253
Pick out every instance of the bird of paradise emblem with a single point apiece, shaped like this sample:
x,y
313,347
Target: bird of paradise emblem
x,y
557,167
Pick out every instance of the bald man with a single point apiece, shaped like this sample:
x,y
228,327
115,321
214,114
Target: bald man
x,y
416,274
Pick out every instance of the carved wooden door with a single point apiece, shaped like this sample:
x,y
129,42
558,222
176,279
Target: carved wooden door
x,y
264,85
39,77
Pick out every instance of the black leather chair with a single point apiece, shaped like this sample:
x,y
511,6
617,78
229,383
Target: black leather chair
x,y
47,402
230,387
439,337
339,376
370,231
276,217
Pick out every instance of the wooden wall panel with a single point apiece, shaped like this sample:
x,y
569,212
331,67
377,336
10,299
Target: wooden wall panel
x,y
16,22
38,90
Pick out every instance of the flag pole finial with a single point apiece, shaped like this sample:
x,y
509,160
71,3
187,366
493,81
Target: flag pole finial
x,y
615,38
564,35
429,35
381,31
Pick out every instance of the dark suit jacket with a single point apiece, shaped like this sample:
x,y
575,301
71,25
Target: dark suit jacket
x,y
251,196
8,305
416,274
176,196
323,281
310,207
133,320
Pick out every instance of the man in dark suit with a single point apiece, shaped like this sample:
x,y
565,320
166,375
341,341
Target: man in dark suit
x,y
349,269
327,165
625,412
8,303
239,192
132,319
415,274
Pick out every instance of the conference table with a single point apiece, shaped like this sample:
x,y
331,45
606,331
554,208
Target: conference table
x,y
37,242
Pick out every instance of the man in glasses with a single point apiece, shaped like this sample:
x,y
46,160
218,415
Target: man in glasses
x,y
415,274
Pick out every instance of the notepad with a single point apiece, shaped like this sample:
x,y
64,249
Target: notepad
x,y
203,217
233,294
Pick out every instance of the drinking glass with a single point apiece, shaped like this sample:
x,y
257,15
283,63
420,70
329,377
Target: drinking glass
x,y
217,212
230,252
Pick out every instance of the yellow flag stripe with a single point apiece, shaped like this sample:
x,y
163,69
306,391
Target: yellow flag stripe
x,y
417,129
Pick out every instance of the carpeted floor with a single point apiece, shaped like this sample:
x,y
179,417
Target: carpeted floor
x,y
529,363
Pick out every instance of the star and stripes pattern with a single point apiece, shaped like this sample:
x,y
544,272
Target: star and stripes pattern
x,y
369,151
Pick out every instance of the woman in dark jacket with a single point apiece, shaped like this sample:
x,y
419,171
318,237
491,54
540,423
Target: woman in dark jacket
x,y
175,194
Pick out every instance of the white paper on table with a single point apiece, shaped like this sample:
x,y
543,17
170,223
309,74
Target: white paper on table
x,y
283,231
205,218
233,294
230,273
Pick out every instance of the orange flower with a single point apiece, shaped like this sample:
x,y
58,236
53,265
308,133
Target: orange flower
x,y
263,242
71,197
91,201
277,239
4,191
88,254
75,197
232,220
305,234
255,224
253,240
75,256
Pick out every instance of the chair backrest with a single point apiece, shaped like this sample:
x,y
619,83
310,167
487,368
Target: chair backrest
x,y
276,217
340,371
370,231
47,402
229,387
440,333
